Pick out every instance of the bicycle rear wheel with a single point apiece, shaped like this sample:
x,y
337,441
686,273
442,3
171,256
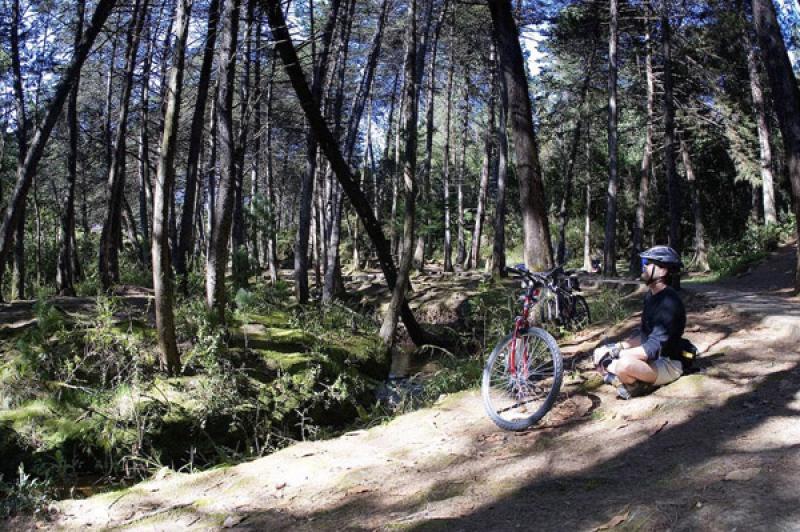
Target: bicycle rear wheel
x,y
519,388
580,317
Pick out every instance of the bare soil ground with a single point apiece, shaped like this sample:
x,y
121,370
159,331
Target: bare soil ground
x,y
716,450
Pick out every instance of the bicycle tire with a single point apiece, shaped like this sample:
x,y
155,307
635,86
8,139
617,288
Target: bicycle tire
x,y
581,315
507,403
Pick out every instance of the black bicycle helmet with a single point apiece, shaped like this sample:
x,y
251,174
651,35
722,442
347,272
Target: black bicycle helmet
x,y
664,255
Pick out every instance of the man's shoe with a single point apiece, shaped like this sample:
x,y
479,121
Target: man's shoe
x,y
623,392
635,389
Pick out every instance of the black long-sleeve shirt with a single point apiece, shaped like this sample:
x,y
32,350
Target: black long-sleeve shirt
x,y
663,322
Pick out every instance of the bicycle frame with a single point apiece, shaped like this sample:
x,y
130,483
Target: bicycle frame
x,y
522,322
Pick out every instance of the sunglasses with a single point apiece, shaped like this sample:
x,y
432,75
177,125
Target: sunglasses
x,y
645,262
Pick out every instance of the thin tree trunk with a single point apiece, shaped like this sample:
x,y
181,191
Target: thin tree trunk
x,y
110,239
538,251
610,243
409,179
765,151
219,237
164,186
587,231
673,185
26,171
18,273
647,156
785,98
499,243
65,277
430,126
186,232
448,244
461,246
700,259
272,240
307,187
563,214
473,259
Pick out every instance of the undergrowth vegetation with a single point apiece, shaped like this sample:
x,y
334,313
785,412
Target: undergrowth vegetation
x,y
734,256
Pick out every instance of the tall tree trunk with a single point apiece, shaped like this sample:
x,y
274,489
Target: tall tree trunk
x,y
448,244
186,232
65,277
610,244
474,256
700,259
219,237
673,185
409,179
328,144
107,134
587,231
272,239
461,247
26,172
637,246
499,243
164,186
765,151
538,250
333,284
307,187
111,236
18,273
430,126
563,214
785,98
377,203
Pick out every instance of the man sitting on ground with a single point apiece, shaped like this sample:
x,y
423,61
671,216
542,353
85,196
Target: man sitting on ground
x,y
654,357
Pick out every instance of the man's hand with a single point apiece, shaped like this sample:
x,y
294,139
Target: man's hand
x,y
600,352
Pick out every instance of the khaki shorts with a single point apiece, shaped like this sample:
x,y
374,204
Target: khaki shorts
x,y
668,370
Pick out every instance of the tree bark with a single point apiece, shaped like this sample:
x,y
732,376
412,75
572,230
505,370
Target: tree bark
x,y
219,237
700,259
563,214
307,187
18,273
26,172
610,243
448,244
164,186
272,239
473,259
538,251
409,179
430,126
587,231
765,151
111,236
343,173
186,232
499,243
673,184
65,277
461,247
635,265
785,98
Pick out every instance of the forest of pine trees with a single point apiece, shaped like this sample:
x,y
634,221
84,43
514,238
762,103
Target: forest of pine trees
x,y
212,141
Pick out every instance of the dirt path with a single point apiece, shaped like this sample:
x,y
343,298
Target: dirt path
x,y
717,450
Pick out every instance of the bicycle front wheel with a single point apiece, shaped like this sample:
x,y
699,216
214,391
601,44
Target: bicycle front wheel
x,y
521,383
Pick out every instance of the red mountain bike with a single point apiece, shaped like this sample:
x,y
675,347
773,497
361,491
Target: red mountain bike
x,y
522,377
